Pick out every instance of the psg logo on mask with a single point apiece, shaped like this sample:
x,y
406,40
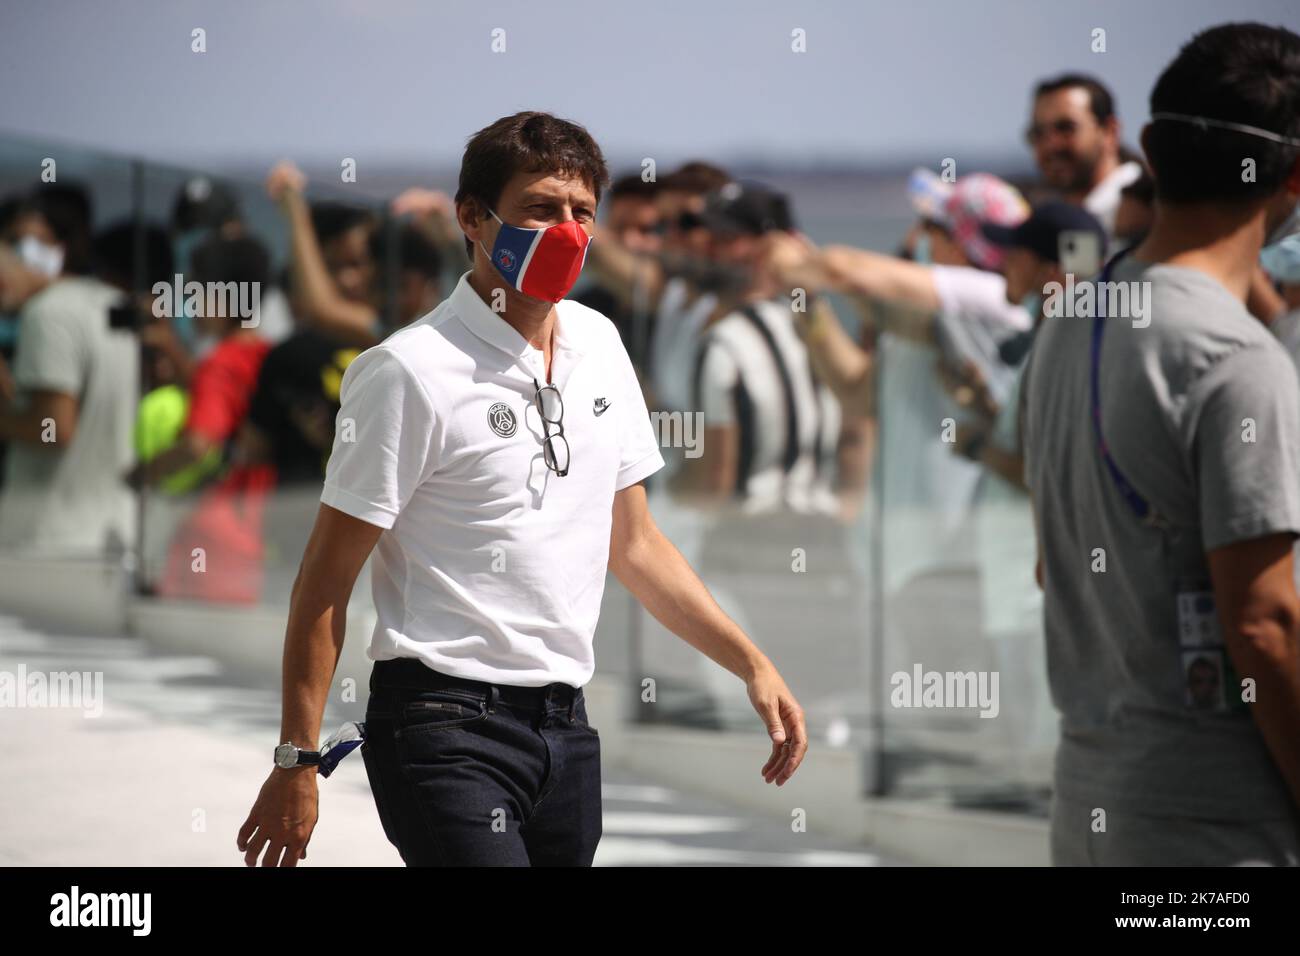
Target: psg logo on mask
x,y
506,260
502,419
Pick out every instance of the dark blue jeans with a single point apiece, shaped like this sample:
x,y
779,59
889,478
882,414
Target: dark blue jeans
x,y
466,773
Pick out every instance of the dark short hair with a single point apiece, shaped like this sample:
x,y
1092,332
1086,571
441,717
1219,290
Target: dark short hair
x,y
68,209
632,186
11,207
416,252
531,142
333,219
114,254
696,177
1243,73
1100,101
243,259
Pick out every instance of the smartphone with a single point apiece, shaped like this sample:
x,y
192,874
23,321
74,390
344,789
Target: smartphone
x,y
1079,252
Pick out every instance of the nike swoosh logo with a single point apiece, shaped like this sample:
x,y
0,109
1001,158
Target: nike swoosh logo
x,y
601,411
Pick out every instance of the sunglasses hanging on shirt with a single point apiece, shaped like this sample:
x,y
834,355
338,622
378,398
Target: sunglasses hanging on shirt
x,y
555,447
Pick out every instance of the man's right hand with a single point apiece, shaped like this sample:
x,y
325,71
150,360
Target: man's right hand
x,y
282,819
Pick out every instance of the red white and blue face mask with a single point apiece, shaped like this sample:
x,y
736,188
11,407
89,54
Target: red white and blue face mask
x,y
540,263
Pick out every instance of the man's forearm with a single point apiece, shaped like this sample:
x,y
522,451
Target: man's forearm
x,y
312,645
1268,655
189,450
667,586
853,461
31,426
880,277
838,360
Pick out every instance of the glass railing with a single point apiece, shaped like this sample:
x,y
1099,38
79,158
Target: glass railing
x,y
933,575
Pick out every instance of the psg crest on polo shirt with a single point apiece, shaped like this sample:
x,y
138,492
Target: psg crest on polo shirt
x,y
502,420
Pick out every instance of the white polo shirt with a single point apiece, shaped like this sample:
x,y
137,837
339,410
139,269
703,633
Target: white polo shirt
x,y
491,566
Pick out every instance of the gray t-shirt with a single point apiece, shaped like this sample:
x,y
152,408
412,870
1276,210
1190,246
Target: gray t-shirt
x,y
1152,723
71,501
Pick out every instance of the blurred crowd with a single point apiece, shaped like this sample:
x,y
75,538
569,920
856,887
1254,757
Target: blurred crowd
x,y
777,350
172,357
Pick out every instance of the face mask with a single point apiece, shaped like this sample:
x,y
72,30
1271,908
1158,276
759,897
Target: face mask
x,y
1281,260
40,256
1288,227
540,263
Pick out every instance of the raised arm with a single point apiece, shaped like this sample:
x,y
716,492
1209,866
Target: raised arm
x,y
328,310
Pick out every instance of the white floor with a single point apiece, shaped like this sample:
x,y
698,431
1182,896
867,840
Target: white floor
x,y
167,772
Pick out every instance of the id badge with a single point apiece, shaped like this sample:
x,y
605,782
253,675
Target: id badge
x,y
1209,681
1198,620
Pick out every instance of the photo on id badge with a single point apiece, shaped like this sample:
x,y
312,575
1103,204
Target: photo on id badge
x,y
1207,672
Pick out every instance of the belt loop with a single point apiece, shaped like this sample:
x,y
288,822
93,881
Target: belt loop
x,y
573,704
492,698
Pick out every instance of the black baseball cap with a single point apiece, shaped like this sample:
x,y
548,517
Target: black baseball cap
x,y
203,203
1041,232
746,207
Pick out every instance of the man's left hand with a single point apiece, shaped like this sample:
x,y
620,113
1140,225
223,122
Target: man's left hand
x,y
783,717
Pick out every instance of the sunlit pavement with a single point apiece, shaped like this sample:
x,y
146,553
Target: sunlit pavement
x,y
167,772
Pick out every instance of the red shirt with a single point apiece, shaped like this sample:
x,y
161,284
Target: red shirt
x,y
222,387
227,522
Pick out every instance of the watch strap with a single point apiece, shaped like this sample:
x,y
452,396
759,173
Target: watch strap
x,y
302,758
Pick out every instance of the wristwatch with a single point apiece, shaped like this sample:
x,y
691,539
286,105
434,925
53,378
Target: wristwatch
x,y
288,756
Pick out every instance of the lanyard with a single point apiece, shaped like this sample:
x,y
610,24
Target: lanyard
x,y
1138,504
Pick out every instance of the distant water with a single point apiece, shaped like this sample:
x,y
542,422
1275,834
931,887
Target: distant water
x,y
866,208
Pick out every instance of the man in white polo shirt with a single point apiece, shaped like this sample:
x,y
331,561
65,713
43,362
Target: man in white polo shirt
x,y
490,454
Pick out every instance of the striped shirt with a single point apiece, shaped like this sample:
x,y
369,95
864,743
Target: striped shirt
x,y
753,372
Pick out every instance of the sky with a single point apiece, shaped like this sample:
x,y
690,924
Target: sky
x,y
403,82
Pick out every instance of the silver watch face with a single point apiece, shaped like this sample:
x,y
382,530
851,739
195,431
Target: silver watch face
x,y
286,756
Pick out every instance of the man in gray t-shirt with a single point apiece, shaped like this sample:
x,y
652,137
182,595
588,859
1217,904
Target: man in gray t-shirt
x,y
1174,396
1166,503
71,426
